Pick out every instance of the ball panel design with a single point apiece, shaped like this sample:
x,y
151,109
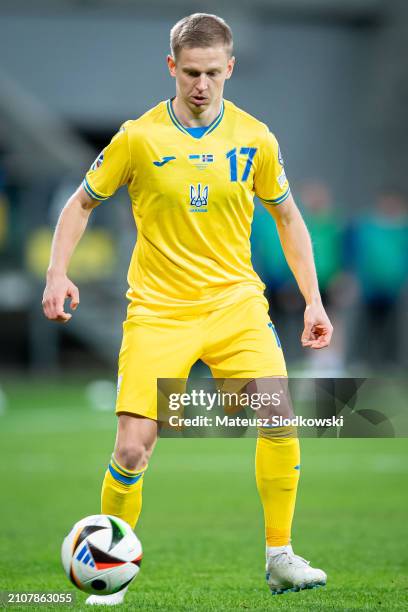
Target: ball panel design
x,y
84,533
74,579
115,580
101,554
98,584
118,533
102,559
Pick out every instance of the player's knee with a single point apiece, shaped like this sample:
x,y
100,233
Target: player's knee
x,y
132,456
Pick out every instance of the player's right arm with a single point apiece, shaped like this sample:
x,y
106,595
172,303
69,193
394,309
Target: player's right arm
x,y
70,227
110,170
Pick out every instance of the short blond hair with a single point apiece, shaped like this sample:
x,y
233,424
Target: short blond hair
x,y
200,30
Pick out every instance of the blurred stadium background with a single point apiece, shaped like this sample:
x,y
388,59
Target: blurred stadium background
x,y
327,77
330,78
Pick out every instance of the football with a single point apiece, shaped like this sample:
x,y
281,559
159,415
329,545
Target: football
x,y
101,554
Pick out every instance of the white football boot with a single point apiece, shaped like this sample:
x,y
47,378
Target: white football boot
x,y
286,571
107,600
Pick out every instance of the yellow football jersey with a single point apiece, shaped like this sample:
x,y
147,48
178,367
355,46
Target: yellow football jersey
x,y
192,201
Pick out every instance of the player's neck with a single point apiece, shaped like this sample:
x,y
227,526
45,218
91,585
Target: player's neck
x,y
189,119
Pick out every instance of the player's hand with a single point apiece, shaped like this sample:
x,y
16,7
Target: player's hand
x,y
57,290
318,329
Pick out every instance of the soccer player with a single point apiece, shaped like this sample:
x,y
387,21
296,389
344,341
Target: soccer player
x,y
192,165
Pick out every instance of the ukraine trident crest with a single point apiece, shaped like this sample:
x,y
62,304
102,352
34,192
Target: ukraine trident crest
x,y
198,195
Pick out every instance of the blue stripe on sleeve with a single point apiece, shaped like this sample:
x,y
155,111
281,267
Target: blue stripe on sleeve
x,y
279,200
91,192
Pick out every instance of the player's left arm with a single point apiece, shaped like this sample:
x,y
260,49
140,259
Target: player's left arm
x,y
297,247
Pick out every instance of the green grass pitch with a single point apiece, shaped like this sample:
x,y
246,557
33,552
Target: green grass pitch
x,y
201,526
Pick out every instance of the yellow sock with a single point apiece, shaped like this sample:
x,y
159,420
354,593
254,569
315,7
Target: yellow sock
x,y
122,492
277,475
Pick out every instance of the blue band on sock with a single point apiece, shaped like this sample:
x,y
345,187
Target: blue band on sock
x,y
124,479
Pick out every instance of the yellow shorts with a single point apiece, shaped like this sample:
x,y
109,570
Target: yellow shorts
x,y
238,341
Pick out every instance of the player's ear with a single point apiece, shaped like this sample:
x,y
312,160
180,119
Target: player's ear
x,y
171,63
230,67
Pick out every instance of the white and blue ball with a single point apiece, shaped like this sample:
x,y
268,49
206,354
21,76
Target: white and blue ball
x,y
101,554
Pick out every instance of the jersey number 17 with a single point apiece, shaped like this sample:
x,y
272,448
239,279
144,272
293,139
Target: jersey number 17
x,y
232,155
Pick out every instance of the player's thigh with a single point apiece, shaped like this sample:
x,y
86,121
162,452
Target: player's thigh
x,y
243,342
152,348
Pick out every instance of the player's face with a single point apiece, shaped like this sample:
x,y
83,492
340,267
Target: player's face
x,y
200,75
